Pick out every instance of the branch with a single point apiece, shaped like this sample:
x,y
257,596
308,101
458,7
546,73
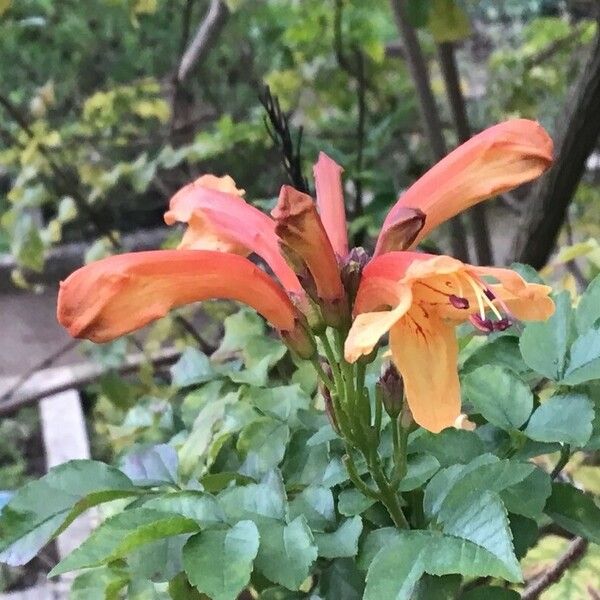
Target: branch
x,y
206,35
428,109
547,206
458,108
573,554
80,376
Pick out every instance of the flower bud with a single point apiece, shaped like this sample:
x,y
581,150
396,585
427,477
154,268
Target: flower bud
x,y
392,390
352,267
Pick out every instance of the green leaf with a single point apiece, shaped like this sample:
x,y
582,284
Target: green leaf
x,y
316,504
448,22
481,518
103,583
420,468
239,328
498,395
219,562
450,446
159,560
528,497
286,552
525,534
502,352
193,367
544,344
440,588
151,465
404,556
121,534
342,543
588,309
584,359
352,502
180,589
43,508
263,442
565,418
265,499
449,487
307,465
575,511
201,507
341,580
282,402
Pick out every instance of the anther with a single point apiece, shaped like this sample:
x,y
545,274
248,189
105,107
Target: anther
x,y
458,301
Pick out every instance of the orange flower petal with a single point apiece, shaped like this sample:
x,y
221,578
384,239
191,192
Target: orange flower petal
x,y
498,159
301,231
223,221
425,351
119,294
330,201
369,327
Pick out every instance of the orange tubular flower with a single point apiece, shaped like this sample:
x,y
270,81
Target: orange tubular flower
x,y
330,201
420,299
302,232
119,294
219,218
494,161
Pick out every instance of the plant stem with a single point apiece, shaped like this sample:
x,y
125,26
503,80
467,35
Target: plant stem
x,y
565,455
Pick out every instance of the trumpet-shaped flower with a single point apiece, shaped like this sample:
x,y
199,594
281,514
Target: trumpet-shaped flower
x,y
420,299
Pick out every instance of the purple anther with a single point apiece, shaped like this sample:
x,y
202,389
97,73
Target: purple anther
x,y
458,301
502,324
484,325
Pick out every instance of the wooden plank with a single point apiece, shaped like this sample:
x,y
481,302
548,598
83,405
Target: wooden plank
x,y
65,438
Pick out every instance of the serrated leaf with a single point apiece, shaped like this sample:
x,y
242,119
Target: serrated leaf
x,y
405,556
151,465
575,511
42,508
158,561
482,519
528,497
420,468
502,352
490,593
565,418
199,506
544,344
498,395
193,367
286,552
316,504
352,502
342,543
449,446
180,589
219,562
281,402
263,442
121,534
254,500
584,359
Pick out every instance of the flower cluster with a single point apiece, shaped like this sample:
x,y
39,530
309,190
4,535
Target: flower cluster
x,y
318,285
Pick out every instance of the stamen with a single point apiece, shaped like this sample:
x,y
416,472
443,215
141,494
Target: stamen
x,y
485,325
478,295
458,301
502,324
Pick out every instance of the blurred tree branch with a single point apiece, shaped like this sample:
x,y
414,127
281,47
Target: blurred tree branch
x,y
428,109
458,108
577,136
206,35
573,554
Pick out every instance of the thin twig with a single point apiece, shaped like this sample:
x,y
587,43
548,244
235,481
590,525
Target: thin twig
x,y
565,455
573,554
44,364
206,35
278,128
82,376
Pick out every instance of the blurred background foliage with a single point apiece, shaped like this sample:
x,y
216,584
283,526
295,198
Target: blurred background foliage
x,y
98,130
